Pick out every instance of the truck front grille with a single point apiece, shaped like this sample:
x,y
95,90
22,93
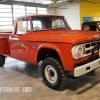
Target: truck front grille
x,y
90,46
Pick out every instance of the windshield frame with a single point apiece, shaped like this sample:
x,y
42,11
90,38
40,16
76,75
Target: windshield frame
x,y
98,25
61,18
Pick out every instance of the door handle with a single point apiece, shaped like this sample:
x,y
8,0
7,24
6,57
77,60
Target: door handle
x,y
14,38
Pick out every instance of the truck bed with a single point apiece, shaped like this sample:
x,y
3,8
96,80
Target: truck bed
x,y
5,34
4,43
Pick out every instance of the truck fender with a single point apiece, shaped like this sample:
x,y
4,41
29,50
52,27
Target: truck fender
x,y
50,46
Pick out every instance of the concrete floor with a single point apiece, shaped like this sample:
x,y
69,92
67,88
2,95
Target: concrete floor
x,y
20,74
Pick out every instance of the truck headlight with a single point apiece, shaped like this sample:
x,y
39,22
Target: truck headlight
x,y
78,51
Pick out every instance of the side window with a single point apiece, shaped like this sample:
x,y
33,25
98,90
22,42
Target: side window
x,y
93,27
86,27
36,25
58,23
23,26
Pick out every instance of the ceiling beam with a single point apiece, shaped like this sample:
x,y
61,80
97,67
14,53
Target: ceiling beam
x,y
9,2
52,5
55,5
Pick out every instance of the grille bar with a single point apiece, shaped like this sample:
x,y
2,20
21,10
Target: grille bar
x,y
90,46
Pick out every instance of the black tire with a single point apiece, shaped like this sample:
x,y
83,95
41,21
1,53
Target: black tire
x,y
2,60
57,70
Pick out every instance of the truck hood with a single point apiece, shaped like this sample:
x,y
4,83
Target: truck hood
x,y
69,36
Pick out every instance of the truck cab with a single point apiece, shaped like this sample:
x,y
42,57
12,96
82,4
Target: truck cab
x,y
91,26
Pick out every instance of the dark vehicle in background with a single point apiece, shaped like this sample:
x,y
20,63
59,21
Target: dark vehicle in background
x,y
91,26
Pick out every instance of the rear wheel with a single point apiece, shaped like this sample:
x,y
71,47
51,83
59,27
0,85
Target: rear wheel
x,y
53,74
2,60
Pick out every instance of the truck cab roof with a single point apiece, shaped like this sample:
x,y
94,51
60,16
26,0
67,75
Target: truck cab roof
x,y
37,15
91,22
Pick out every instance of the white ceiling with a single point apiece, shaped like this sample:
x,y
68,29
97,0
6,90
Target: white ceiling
x,y
42,3
33,1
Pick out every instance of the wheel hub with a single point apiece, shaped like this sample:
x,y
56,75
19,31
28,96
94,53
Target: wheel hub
x,y
50,74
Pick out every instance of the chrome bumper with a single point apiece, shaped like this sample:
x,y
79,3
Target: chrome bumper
x,y
81,70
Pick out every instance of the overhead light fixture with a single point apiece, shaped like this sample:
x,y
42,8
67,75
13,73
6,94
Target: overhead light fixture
x,y
47,2
59,1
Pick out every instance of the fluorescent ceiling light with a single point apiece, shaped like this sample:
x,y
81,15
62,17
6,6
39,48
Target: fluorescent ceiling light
x,y
47,2
59,1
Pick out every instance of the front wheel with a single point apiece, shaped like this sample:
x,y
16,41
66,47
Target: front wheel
x,y
53,74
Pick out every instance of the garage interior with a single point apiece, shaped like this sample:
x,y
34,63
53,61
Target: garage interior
x,y
17,73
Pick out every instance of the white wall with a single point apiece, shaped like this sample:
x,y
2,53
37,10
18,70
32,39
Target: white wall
x,y
52,11
71,13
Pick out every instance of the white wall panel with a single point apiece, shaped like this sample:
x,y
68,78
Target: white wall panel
x,y
71,13
52,11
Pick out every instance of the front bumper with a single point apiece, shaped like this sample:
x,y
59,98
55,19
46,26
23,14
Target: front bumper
x,y
81,70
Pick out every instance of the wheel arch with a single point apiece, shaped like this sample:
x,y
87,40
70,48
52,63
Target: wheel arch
x,y
49,47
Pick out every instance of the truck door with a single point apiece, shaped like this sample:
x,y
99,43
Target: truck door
x,y
19,46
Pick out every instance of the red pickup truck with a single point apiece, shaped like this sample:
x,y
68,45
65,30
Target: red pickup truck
x,y
49,38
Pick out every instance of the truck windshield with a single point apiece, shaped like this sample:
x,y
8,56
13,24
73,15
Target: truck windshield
x,y
49,23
